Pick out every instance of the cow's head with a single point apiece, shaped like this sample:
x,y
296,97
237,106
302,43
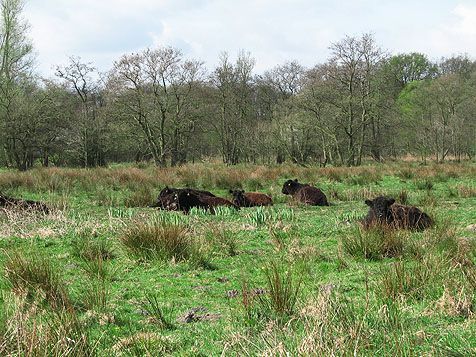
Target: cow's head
x,y
290,187
381,207
238,197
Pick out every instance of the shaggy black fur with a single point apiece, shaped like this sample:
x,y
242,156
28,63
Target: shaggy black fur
x,y
384,211
186,199
305,193
250,199
10,202
166,200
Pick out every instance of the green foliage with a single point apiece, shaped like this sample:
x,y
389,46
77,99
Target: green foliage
x,y
263,215
89,247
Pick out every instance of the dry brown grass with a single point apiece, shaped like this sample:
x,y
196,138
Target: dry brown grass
x,y
466,191
456,302
29,330
27,224
213,175
144,344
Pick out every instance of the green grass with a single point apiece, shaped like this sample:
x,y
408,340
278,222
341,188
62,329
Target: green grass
x,y
118,277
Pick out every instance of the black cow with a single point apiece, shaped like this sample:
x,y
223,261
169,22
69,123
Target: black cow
x,y
186,199
384,211
10,202
305,193
250,199
165,200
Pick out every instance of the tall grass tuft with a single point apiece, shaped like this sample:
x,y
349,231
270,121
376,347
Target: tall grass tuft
x,y
141,197
162,241
154,240
224,240
263,215
424,185
29,330
97,294
417,280
283,290
376,243
466,191
89,247
162,314
35,275
279,238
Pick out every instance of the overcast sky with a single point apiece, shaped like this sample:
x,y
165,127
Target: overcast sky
x,y
274,31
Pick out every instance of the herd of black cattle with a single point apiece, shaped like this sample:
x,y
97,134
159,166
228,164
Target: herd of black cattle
x,y
382,210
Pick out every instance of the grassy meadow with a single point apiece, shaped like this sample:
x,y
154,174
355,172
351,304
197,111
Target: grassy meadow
x,y
103,274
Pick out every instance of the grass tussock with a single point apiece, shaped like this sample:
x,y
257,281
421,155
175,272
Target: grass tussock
x,y
141,197
377,243
144,344
260,216
426,185
283,290
414,280
277,301
29,330
97,295
465,191
89,246
162,241
35,276
330,324
151,240
225,241
457,301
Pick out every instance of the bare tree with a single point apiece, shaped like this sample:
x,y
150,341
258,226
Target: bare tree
x,y
234,83
80,78
290,136
154,89
353,67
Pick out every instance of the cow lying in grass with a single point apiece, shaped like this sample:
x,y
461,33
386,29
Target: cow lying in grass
x,y
305,193
250,199
184,200
165,200
384,211
10,202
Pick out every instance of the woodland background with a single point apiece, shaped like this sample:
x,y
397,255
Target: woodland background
x,y
160,106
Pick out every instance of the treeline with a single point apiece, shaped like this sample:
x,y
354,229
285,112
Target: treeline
x,y
160,106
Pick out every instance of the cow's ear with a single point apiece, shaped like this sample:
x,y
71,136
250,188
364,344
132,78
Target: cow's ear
x,y
242,191
295,180
368,203
230,191
391,201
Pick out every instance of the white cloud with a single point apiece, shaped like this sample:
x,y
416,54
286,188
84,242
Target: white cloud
x,y
272,30
458,35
